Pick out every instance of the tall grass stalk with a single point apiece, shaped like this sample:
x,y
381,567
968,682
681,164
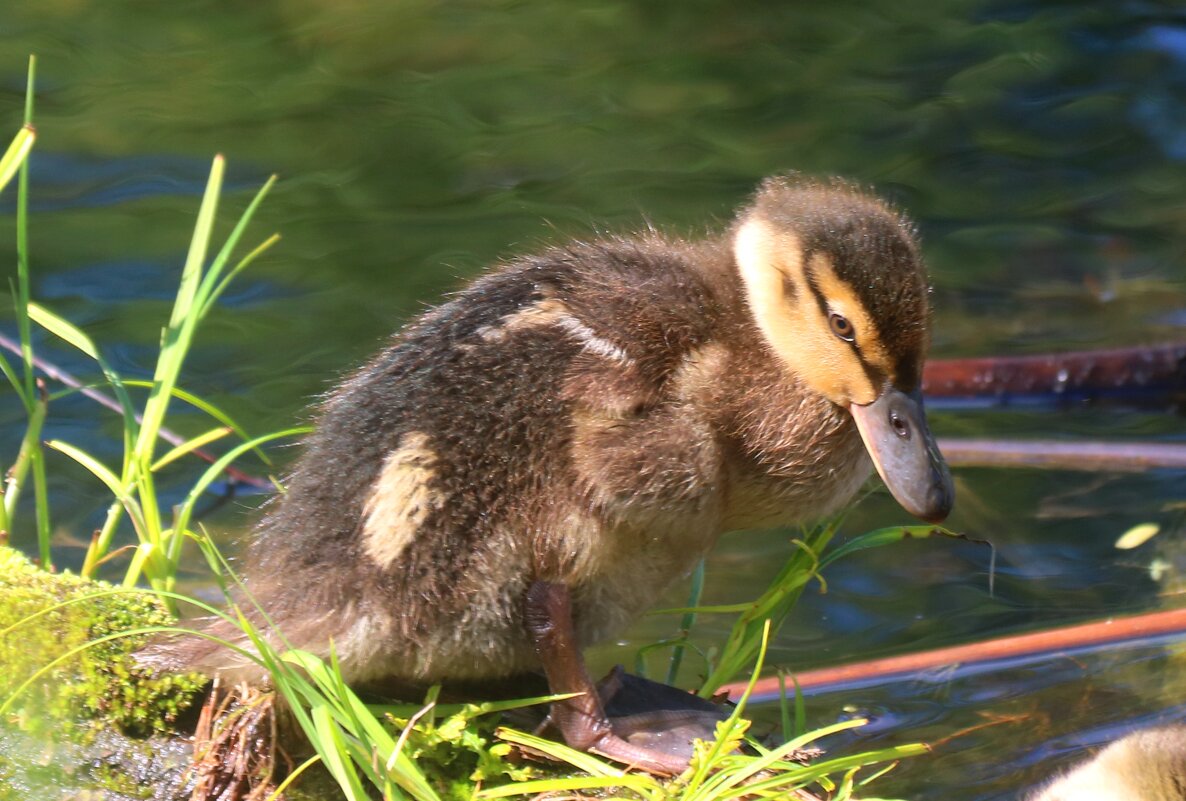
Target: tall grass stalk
x,y
35,401
771,608
160,534
15,162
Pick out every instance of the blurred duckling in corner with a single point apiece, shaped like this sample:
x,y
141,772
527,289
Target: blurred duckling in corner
x,y
525,468
1144,766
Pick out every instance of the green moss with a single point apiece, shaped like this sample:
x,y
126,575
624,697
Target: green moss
x,y
44,618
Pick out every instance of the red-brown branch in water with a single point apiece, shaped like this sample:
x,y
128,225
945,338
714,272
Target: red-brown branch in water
x,y
1032,646
1158,372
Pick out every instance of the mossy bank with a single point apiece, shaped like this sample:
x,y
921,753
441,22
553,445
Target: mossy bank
x,y
77,711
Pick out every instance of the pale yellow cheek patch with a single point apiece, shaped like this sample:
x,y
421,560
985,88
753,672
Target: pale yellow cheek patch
x,y
401,500
794,325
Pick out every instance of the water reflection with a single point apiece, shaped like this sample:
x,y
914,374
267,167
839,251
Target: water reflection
x,y
1040,147
1017,728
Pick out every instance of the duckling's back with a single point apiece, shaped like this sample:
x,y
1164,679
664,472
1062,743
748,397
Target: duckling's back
x,y
530,428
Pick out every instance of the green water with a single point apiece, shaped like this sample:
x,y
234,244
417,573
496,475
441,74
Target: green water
x,y
1040,146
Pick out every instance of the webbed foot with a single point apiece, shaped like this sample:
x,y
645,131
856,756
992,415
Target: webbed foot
x,y
582,721
657,716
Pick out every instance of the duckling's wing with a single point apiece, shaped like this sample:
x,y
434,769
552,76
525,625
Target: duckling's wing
x,y
643,447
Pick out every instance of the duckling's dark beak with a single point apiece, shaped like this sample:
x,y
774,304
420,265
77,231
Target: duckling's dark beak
x,y
896,435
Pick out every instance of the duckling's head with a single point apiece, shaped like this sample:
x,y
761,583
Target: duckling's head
x,y
838,290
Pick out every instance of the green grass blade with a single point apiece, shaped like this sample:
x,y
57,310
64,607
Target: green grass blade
x,y
97,550
800,708
775,604
10,374
769,760
31,396
278,793
327,739
352,714
195,259
22,248
63,329
686,624
729,732
244,262
30,444
470,710
789,730
16,154
125,500
175,340
41,488
885,536
142,558
29,83
203,405
716,609
97,468
817,771
191,445
548,787
72,334
211,285
562,753
208,477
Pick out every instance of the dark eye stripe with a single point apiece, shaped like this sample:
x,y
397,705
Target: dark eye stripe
x,y
789,290
813,284
875,376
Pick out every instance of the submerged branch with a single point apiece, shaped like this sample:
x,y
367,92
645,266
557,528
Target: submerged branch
x,y
1148,376
1124,457
55,373
1013,650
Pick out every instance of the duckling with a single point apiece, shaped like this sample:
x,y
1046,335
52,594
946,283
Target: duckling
x,y
525,468
1144,766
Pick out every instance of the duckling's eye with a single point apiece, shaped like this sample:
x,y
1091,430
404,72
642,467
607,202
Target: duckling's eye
x,y
841,327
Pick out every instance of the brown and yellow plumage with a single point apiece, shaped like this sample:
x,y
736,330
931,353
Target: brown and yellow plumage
x,y
592,418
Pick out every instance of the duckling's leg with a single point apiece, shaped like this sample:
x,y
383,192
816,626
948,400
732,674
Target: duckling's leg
x,y
581,719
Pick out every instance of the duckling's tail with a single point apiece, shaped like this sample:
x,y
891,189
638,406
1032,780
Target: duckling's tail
x,y
213,645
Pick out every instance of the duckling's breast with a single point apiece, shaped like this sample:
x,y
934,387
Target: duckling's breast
x,y
759,500
792,456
